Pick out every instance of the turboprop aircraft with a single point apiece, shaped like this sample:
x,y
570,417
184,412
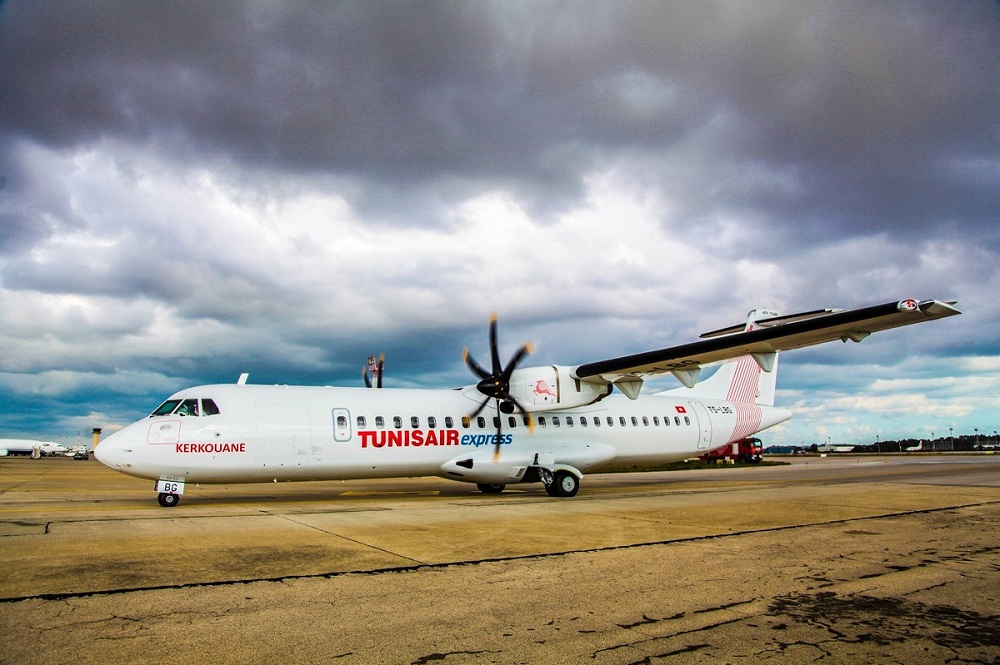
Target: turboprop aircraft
x,y
516,425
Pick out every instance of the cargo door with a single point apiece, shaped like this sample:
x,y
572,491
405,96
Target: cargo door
x,y
704,424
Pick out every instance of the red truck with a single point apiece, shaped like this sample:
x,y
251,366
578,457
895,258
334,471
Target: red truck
x,y
747,450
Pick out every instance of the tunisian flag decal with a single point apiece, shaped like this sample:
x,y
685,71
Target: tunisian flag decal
x,y
681,409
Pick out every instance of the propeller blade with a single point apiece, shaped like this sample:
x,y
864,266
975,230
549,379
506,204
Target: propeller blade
x,y
368,382
494,352
473,365
524,412
381,365
496,449
479,408
515,361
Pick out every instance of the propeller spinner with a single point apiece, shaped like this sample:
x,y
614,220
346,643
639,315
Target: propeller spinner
x,y
496,383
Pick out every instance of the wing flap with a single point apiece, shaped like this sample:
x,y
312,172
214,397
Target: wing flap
x,y
773,335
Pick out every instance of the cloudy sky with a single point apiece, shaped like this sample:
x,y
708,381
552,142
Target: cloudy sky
x,y
191,190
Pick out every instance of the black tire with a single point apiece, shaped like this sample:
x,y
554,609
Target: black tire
x,y
564,484
168,500
491,488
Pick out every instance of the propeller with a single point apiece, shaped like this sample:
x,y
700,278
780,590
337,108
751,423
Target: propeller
x,y
374,369
495,384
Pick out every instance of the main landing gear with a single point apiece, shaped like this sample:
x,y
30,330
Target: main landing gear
x,y
561,483
168,500
558,483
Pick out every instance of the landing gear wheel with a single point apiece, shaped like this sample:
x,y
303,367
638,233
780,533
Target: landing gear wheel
x,y
564,484
168,500
491,488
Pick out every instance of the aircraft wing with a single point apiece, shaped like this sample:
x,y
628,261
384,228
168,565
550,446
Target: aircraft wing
x,y
767,338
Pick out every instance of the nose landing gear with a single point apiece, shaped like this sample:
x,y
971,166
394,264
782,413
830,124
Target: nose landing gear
x,y
168,500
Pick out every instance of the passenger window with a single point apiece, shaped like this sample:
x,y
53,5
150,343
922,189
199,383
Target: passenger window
x,y
208,408
635,421
666,420
512,421
611,421
569,421
597,421
397,422
645,421
481,422
449,422
656,421
432,422
362,422
687,421
541,421
526,420
555,421
188,408
166,408
414,422
379,422
466,422
677,420
341,421
621,421
583,421
496,422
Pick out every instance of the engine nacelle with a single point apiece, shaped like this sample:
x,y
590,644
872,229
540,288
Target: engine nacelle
x,y
553,387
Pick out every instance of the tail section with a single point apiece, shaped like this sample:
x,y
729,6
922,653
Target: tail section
x,y
743,380
747,382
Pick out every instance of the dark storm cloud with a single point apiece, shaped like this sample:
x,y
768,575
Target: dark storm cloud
x,y
865,115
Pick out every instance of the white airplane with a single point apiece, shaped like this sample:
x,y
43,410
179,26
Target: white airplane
x,y
26,446
517,425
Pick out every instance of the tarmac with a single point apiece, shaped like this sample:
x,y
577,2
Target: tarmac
x,y
843,559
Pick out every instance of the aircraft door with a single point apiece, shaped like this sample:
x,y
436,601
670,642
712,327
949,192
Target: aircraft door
x,y
341,425
284,434
704,425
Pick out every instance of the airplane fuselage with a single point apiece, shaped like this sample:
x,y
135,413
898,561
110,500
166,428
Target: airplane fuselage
x,y
288,433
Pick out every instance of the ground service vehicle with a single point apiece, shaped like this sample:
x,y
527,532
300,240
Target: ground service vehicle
x,y
748,450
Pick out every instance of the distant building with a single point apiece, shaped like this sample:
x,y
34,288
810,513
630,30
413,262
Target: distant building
x,y
835,448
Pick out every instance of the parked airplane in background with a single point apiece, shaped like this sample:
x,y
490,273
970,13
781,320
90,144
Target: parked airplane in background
x,y
27,446
517,425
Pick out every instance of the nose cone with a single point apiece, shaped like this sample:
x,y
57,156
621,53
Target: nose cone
x,y
111,451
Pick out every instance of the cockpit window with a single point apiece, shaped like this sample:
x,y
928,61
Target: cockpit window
x,y
188,407
166,408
